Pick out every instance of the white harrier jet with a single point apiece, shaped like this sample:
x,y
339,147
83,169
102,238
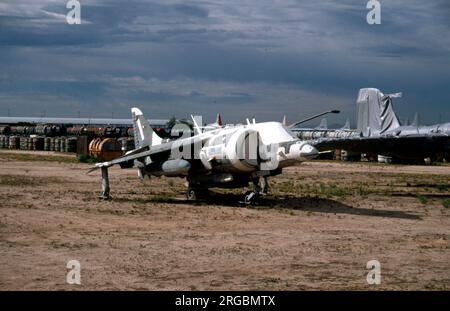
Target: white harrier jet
x,y
229,156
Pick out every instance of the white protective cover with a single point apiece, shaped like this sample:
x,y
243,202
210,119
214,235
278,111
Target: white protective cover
x,y
375,112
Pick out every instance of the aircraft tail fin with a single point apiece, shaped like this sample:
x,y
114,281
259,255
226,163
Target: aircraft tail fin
x,y
375,112
285,122
346,125
416,120
219,120
323,124
143,132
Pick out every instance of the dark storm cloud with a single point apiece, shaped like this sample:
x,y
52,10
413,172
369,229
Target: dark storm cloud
x,y
265,57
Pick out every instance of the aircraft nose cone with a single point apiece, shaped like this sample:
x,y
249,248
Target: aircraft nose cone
x,y
308,152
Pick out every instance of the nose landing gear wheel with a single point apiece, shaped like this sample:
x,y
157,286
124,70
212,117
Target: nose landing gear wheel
x,y
249,197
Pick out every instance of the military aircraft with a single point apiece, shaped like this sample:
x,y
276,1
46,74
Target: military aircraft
x,y
379,131
228,156
232,156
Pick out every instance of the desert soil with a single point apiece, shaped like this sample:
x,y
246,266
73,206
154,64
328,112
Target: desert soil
x,y
318,229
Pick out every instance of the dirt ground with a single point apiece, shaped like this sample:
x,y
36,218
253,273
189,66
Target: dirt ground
x,y
317,230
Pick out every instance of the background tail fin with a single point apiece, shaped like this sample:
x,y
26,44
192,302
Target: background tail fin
x,y
219,120
346,125
375,112
416,121
143,132
323,124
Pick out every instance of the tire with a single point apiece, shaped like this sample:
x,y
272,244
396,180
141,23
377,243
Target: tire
x,y
191,195
248,197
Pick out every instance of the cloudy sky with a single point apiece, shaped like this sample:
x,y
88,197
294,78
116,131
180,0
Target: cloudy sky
x,y
240,57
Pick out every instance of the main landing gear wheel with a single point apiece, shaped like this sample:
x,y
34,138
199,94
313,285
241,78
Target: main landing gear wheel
x,y
191,194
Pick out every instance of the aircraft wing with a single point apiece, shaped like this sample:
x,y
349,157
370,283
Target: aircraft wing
x,y
411,146
161,151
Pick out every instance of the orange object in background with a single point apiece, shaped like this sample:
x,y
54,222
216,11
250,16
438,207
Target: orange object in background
x,y
105,149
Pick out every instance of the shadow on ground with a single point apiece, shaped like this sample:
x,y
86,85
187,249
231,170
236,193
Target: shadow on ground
x,y
307,204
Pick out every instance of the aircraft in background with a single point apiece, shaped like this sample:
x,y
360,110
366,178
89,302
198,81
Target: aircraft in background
x,y
380,132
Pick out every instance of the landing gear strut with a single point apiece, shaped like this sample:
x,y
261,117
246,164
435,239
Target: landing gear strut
x,y
265,186
105,184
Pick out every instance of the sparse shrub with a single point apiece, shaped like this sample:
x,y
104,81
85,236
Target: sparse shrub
x,y
446,203
423,199
21,181
162,199
37,157
87,159
362,191
332,190
442,187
